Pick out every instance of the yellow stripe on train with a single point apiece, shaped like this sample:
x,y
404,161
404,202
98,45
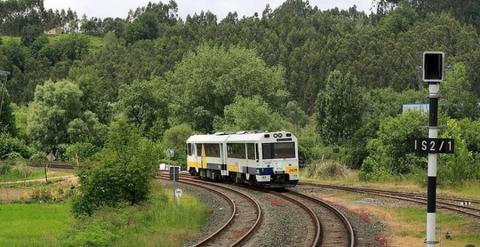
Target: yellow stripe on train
x,y
292,170
193,164
233,168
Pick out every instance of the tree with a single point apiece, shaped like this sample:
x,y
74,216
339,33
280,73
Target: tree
x,y
176,138
458,98
390,152
30,33
7,119
56,116
143,109
295,115
249,114
121,172
339,108
203,83
458,167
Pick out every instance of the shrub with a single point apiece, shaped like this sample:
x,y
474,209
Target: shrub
x,y
456,168
39,156
390,152
121,172
175,138
22,171
13,156
81,150
326,169
10,144
4,169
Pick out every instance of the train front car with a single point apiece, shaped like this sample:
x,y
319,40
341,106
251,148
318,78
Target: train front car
x,y
269,159
278,164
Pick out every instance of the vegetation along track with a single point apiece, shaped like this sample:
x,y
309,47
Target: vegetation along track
x,y
442,203
245,218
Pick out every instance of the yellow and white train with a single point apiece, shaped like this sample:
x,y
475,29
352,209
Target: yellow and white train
x,y
269,159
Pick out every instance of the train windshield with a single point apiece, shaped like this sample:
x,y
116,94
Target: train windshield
x,y
281,150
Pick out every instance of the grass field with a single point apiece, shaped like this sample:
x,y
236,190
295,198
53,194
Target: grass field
x,y
160,222
33,224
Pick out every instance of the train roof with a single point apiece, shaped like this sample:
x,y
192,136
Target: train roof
x,y
242,136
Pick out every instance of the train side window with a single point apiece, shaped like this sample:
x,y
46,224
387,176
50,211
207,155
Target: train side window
x,y
256,152
189,149
199,149
236,150
250,151
212,150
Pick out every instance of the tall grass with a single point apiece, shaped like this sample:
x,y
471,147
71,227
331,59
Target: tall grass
x,y
160,222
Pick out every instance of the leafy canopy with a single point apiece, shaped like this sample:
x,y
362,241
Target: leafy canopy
x,y
339,108
206,81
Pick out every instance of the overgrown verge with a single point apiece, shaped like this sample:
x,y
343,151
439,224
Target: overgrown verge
x,y
157,222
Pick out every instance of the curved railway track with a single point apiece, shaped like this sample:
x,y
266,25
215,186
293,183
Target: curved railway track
x,y
340,231
442,203
330,226
246,215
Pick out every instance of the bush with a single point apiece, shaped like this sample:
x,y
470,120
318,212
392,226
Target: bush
x,y
390,152
22,171
4,169
10,144
326,169
13,156
176,138
81,150
121,172
39,156
454,169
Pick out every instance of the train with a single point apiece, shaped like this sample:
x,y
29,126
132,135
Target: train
x,y
266,159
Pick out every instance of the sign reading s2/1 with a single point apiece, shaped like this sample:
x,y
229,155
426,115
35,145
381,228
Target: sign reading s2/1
x,y
433,145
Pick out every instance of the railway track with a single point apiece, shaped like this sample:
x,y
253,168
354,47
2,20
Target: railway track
x,y
246,215
442,203
336,228
330,226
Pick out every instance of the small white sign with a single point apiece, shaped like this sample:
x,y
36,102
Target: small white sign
x,y
50,157
170,153
178,193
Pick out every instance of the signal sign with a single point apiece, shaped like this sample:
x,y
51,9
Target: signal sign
x,y
433,66
433,145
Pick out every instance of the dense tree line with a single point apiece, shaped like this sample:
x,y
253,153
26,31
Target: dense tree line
x,y
336,78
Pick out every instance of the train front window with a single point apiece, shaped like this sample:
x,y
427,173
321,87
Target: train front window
x,y
281,150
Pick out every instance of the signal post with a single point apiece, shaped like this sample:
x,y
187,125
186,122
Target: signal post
x,y
433,74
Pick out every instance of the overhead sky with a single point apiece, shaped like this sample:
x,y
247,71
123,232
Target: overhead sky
x,y
119,8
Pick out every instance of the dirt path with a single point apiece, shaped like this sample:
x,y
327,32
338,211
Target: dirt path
x,y
42,180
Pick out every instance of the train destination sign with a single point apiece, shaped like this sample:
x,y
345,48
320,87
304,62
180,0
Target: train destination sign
x,y
433,145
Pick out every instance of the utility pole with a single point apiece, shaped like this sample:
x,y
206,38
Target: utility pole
x,y
4,75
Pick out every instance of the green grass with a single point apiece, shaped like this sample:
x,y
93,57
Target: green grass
x,y
32,224
405,184
462,230
158,222
36,174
